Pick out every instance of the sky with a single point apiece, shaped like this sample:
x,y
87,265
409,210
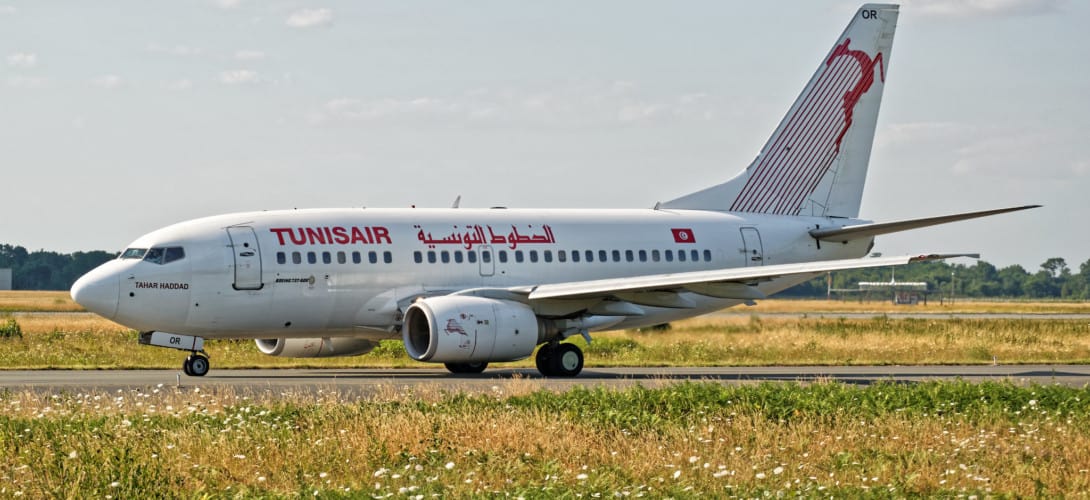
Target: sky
x,y
120,117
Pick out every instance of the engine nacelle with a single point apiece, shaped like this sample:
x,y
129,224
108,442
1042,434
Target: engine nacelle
x,y
460,329
315,348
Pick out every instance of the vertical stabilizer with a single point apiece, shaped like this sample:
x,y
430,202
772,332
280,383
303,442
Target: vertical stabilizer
x,y
815,163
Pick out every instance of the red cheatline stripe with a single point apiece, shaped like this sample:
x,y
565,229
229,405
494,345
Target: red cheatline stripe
x,y
770,170
814,142
822,143
797,190
858,90
785,133
801,117
817,114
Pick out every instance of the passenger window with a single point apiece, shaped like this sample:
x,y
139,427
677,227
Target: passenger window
x,y
628,255
458,258
154,255
655,257
681,255
296,258
643,255
312,257
356,258
616,256
372,257
326,258
444,256
575,255
418,257
486,256
388,257
669,256
431,257
173,253
281,258
503,256
471,257
518,256
707,255
589,254
694,255
548,255
603,256
533,255
561,256
341,258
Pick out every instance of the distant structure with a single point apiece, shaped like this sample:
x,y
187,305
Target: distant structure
x,y
899,292
5,279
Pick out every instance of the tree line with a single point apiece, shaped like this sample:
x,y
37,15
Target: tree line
x,y
45,270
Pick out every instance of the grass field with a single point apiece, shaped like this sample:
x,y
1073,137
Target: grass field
x,y
933,439
82,341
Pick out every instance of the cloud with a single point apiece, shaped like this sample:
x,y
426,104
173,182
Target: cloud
x,y
8,10
569,104
179,85
249,55
22,60
108,82
227,4
177,50
990,8
27,82
310,18
240,77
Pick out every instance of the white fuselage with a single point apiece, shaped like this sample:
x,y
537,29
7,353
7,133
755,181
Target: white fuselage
x,y
351,272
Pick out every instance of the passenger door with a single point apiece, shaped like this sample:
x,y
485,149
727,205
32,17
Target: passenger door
x,y
247,256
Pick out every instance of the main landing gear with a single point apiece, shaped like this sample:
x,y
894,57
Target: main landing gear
x,y
559,360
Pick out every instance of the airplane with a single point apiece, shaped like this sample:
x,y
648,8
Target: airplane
x,y
468,287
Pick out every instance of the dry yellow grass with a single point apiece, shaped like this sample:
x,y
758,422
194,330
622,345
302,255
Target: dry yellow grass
x,y
227,443
24,300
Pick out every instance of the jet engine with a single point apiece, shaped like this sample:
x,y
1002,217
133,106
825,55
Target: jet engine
x,y
465,329
315,348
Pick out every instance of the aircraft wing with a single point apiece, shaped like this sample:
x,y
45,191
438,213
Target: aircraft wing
x,y
722,283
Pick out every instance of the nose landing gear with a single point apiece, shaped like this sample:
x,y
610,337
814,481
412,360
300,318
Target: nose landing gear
x,y
196,364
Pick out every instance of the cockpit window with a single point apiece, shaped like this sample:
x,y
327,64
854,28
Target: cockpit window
x,y
159,255
133,253
154,255
172,254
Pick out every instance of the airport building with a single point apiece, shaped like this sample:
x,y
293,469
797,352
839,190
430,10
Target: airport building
x,y
5,279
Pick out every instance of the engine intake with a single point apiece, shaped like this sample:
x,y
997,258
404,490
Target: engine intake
x,y
459,329
327,347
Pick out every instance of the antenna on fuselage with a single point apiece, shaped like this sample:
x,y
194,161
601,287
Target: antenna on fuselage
x,y
457,201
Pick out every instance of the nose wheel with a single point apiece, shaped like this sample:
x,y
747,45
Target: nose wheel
x,y
196,365
559,360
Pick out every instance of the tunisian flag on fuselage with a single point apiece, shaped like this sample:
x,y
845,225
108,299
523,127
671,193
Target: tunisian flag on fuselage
x,y
683,235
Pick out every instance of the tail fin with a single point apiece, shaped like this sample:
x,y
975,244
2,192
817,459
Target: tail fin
x,y
815,163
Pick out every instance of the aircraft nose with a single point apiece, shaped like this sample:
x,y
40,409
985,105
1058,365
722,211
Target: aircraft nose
x,y
97,291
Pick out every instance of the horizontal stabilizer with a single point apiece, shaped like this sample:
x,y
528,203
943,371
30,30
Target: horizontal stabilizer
x,y
613,287
846,233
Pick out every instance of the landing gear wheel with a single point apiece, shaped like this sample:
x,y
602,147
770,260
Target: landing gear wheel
x,y
196,365
544,354
466,367
566,361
